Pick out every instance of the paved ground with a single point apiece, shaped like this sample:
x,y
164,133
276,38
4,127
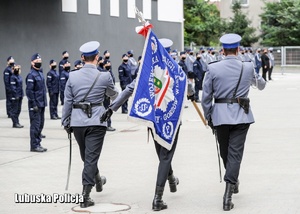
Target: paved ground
x,y
269,176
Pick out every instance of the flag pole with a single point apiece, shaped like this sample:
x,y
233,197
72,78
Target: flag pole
x,y
200,113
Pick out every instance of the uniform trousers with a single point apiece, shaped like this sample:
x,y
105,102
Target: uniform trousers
x,y
90,141
264,73
125,104
257,69
16,110
62,97
37,120
8,102
165,158
270,72
198,87
53,102
232,140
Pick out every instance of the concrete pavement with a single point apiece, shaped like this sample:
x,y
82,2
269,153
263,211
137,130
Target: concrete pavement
x,y
269,174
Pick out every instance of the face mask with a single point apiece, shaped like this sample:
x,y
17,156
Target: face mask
x,y
125,60
107,57
16,71
101,64
183,58
202,51
67,68
11,64
212,53
271,51
198,58
191,54
107,67
53,67
66,57
38,64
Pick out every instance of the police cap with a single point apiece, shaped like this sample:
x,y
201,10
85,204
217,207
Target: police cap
x,y
35,56
9,58
89,48
77,62
230,40
51,61
166,43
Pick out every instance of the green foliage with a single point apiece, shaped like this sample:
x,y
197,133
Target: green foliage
x,y
240,24
280,23
203,24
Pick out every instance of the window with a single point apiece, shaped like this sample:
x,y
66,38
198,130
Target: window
x,y
147,9
115,8
130,8
170,10
243,2
69,6
94,7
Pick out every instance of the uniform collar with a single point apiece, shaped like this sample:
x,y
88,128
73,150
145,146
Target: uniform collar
x,y
89,66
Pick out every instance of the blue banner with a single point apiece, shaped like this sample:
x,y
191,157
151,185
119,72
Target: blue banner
x,y
159,92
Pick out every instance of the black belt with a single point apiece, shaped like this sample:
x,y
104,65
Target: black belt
x,y
76,105
226,100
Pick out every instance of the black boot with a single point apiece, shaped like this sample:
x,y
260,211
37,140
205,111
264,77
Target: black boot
x,y
158,204
87,201
236,187
100,181
173,182
227,204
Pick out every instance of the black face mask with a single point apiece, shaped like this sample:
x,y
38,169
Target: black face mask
x,y
66,57
125,60
67,68
38,64
11,64
183,58
191,54
271,51
107,57
53,67
198,58
107,67
101,64
213,53
202,51
16,71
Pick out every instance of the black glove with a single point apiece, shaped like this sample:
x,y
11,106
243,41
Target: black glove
x,y
191,97
68,129
106,115
35,109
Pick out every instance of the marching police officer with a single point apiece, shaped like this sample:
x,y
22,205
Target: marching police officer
x,y
125,79
16,88
6,78
53,89
198,76
84,96
37,101
165,171
64,76
228,83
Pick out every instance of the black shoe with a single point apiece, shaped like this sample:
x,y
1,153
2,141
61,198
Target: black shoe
x,y
58,117
124,112
37,149
87,201
100,181
173,182
236,188
42,136
54,118
227,198
198,101
17,126
158,204
8,116
110,129
45,149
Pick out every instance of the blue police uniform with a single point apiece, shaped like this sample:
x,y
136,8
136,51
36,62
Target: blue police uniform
x,y
125,79
62,84
6,78
16,87
183,66
53,90
257,61
198,76
37,101
229,119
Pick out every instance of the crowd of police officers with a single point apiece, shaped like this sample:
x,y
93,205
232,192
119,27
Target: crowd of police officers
x,y
37,84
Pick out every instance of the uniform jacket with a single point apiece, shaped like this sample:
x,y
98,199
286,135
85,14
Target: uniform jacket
x,y
61,65
16,86
257,60
124,75
132,64
6,77
52,81
190,59
220,81
64,76
36,89
183,66
197,69
77,86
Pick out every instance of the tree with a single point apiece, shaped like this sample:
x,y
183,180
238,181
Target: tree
x,y
203,24
280,23
240,24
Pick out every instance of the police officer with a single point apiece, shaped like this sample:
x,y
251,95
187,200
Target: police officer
x,y
132,62
265,63
165,171
257,60
228,118
272,63
125,79
53,89
16,88
64,76
198,76
37,101
181,62
77,65
89,132
6,78
100,64
65,57
190,59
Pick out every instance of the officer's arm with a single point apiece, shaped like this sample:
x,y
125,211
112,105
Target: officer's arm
x,y
68,102
30,82
121,76
123,96
111,90
207,95
13,87
49,81
7,75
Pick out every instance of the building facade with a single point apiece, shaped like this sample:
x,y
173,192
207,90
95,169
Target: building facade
x,y
50,27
